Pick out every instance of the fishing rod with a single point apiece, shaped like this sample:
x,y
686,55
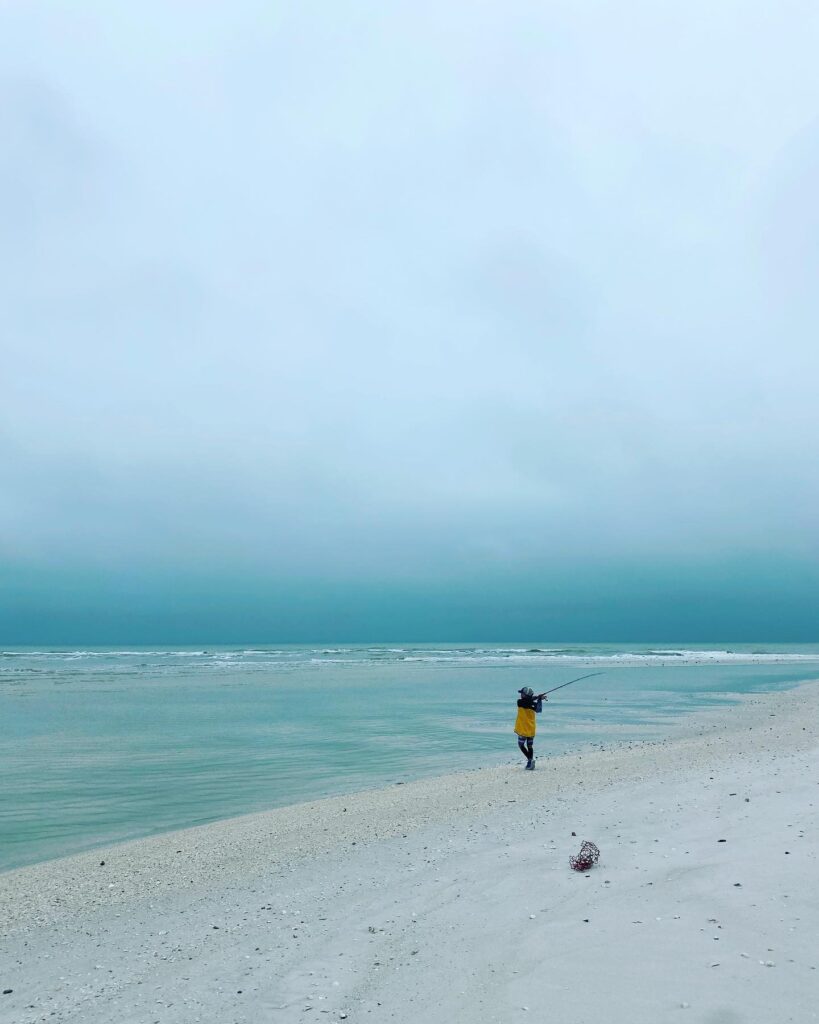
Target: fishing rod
x,y
568,684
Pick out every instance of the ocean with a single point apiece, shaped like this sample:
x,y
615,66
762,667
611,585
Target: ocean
x,y
103,745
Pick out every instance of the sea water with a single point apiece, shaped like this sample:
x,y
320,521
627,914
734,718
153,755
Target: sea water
x,y
103,745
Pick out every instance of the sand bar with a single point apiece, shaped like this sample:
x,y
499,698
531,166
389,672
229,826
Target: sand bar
x,y
451,899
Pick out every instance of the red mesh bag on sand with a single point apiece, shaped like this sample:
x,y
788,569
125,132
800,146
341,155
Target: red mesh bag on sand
x,y
587,858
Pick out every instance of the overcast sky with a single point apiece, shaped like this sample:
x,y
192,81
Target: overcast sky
x,y
363,321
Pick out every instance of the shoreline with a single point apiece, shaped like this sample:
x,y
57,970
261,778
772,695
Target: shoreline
x,y
371,810
104,781
619,736
394,845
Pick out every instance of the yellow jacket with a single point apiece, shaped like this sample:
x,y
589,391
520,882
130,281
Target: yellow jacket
x,y
526,722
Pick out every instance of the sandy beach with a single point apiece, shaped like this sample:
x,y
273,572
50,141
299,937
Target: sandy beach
x,y
452,900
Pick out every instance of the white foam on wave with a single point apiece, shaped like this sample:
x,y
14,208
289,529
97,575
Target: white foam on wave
x,y
258,658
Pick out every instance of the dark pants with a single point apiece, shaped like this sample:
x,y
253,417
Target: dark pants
x,y
527,746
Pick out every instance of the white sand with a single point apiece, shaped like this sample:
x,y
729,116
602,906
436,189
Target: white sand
x,y
451,900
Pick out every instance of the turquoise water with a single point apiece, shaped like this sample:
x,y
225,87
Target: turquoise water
x,y
104,745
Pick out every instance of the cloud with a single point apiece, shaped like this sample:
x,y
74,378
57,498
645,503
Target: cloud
x,y
420,297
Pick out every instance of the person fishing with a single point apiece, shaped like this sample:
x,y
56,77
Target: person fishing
x,y
530,705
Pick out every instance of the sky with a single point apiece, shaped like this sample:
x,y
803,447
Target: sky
x,y
413,321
